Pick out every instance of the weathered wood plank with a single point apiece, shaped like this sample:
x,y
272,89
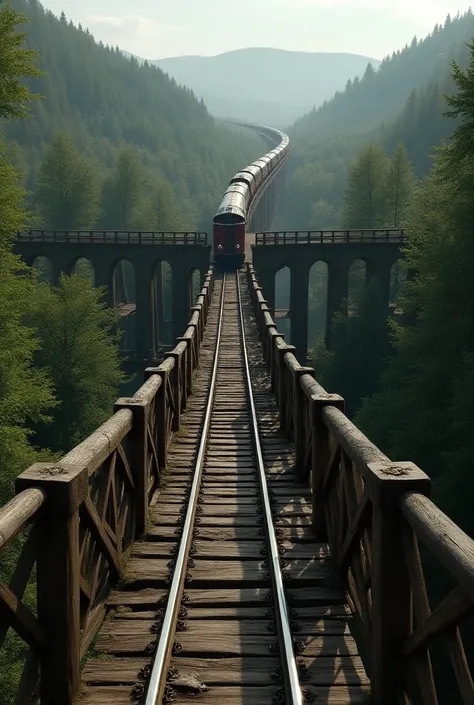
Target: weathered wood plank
x,y
231,671
232,533
225,571
229,695
239,612
149,597
128,640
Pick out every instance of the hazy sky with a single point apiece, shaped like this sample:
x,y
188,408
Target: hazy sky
x,y
156,29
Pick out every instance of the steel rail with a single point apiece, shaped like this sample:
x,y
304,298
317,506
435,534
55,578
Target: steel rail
x,y
159,672
291,682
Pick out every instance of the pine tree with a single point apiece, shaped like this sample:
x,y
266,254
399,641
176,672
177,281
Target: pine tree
x,y
124,193
68,193
366,195
361,344
80,349
16,63
164,212
25,393
428,388
400,187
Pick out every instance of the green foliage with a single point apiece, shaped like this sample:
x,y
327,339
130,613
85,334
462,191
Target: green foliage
x,y
361,343
366,195
80,350
104,100
124,197
25,393
403,101
68,187
427,389
16,62
400,187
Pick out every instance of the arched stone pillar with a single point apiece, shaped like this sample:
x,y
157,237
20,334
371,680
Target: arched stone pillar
x,y
103,277
267,281
299,309
382,274
144,310
338,289
181,308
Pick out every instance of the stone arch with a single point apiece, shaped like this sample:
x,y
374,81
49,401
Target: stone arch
x,y
123,283
83,267
359,272
43,268
123,298
162,304
194,285
318,298
398,277
283,285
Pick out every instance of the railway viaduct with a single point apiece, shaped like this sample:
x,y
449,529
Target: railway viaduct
x,y
228,535
299,251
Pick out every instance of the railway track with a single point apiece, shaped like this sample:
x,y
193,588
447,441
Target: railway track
x,y
203,611
230,434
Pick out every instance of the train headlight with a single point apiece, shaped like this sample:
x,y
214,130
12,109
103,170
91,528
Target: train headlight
x,y
237,247
219,247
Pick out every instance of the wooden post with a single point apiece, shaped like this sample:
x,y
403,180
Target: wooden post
x,y
138,457
161,430
273,334
283,374
59,576
189,364
320,457
199,309
299,402
391,591
176,384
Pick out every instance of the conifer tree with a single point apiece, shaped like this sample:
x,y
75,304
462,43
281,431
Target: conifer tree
x,y
124,193
16,63
427,390
68,194
366,195
400,187
361,344
80,349
25,393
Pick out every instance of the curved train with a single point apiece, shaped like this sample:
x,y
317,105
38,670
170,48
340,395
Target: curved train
x,y
243,192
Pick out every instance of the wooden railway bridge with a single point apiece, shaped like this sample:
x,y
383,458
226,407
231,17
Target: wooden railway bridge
x,y
254,549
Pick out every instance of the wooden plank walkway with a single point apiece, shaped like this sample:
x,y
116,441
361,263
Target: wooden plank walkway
x,y
227,645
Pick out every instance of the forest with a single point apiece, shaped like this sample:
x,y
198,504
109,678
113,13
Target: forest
x,y
107,122
408,379
117,144
395,149
88,139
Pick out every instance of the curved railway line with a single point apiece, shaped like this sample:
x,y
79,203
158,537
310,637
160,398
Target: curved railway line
x,y
228,597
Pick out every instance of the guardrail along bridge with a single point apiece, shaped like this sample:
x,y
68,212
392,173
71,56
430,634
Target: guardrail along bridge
x,y
229,536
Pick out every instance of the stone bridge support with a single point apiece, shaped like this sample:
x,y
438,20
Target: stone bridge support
x,y
147,262
299,258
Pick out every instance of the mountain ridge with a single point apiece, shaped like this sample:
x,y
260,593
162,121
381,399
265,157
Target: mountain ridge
x,y
270,85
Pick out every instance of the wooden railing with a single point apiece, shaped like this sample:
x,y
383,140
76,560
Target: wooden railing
x,y
321,237
76,520
384,533
112,237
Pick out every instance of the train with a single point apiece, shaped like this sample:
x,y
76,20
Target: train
x,y
232,216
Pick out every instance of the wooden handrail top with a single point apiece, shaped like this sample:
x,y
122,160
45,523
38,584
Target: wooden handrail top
x,y
17,513
147,391
96,448
447,541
